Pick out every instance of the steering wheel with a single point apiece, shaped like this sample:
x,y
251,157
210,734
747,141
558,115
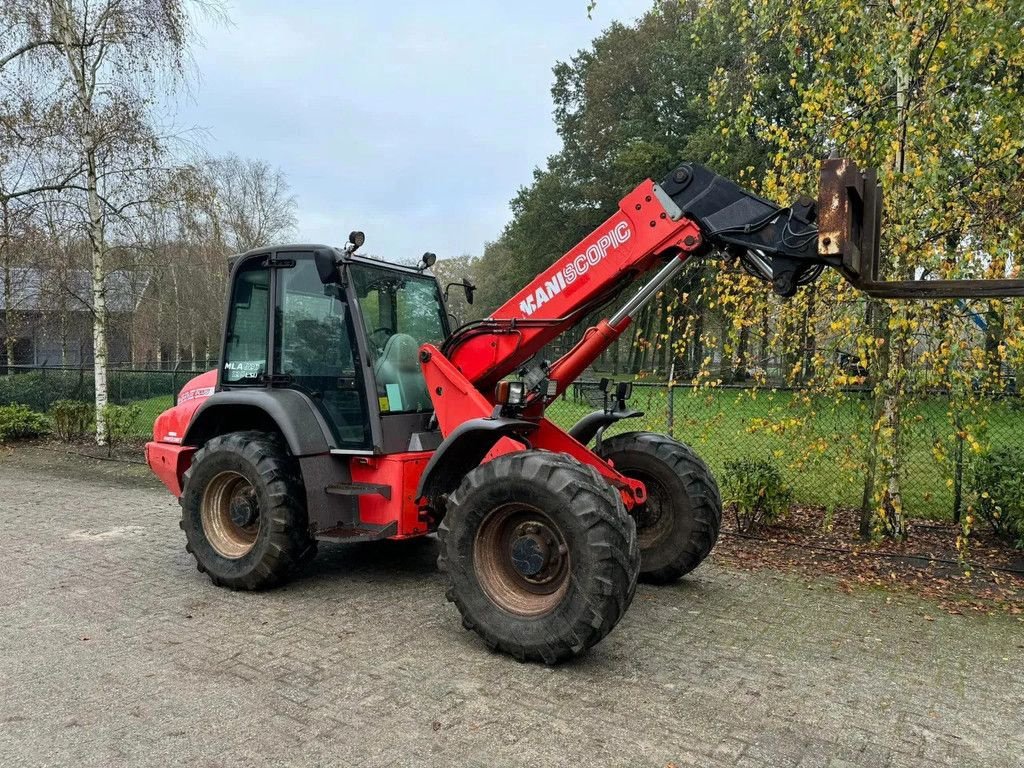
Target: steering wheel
x,y
388,332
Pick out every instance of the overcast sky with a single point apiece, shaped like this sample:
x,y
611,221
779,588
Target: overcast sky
x,y
415,122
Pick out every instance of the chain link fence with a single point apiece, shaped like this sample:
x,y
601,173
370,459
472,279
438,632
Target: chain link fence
x,y
819,443
151,390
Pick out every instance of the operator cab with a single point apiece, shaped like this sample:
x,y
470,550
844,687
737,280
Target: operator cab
x,y
344,330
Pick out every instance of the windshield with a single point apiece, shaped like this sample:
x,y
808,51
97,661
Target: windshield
x,y
400,311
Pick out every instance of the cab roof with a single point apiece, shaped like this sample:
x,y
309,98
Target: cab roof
x,y
351,258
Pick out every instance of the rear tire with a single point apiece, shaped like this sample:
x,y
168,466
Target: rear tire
x,y
541,556
678,525
244,511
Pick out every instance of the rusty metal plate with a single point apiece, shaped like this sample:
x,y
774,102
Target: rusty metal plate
x,y
849,212
849,227
840,178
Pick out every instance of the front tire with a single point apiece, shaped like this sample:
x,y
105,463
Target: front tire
x,y
678,525
541,556
244,512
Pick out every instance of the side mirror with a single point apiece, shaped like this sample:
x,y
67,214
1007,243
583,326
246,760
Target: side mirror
x,y
326,266
467,285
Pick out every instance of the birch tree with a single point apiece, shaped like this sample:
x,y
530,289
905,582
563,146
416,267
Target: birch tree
x,y
112,63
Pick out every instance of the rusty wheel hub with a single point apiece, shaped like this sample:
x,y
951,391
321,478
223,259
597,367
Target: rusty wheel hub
x,y
521,560
653,517
230,515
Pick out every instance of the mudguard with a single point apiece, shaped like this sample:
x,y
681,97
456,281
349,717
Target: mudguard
x,y
586,428
465,448
298,419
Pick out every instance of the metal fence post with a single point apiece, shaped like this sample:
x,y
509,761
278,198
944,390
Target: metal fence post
x,y
672,400
958,469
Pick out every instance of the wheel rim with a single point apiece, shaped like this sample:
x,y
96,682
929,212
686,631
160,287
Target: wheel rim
x,y
654,516
521,560
230,515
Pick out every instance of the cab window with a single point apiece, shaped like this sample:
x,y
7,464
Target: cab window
x,y
245,351
400,312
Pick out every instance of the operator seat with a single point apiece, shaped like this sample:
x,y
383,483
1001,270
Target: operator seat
x,y
399,365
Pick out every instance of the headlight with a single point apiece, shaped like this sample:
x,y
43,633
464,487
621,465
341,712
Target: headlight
x,y
511,393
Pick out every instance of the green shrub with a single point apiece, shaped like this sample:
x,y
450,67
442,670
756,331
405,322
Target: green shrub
x,y
19,422
996,489
72,419
120,421
40,389
756,490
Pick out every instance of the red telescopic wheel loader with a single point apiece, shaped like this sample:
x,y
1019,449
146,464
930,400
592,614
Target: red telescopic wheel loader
x,y
346,409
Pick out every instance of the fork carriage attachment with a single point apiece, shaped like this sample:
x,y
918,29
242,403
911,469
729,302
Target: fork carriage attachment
x,y
790,246
849,224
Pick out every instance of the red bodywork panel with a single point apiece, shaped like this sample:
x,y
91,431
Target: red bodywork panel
x,y
171,425
400,472
166,456
169,462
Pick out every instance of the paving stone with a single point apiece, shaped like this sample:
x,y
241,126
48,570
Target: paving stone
x,y
114,650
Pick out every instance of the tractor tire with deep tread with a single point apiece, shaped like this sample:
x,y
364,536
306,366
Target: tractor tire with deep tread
x,y
584,573
679,524
244,511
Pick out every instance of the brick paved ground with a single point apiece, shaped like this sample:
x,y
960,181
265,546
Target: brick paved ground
x,y
115,651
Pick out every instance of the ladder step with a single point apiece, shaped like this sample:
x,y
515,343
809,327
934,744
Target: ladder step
x,y
362,533
359,489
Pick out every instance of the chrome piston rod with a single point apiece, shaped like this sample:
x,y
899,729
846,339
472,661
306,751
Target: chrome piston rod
x,y
647,292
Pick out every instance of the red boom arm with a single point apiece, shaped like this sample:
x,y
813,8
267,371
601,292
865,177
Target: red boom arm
x,y
643,234
628,244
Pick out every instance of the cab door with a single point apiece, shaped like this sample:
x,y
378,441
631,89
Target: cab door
x,y
315,350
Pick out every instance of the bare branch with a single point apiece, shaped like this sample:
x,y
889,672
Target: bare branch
x,y
22,50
